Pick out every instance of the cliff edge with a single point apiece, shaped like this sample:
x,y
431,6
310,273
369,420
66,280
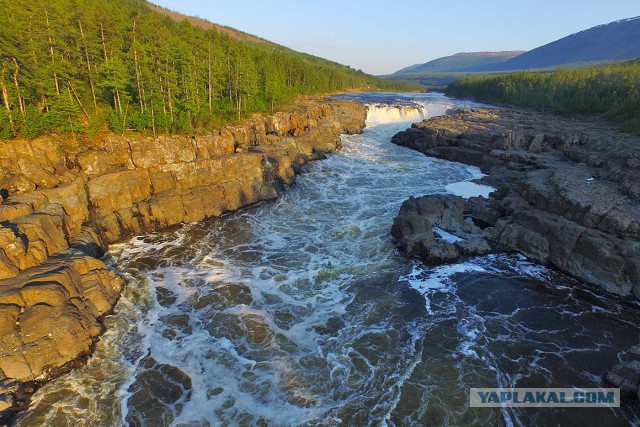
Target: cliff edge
x,y
568,189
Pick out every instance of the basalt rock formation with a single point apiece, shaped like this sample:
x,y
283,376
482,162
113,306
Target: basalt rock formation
x,y
437,229
568,189
568,196
626,374
63,201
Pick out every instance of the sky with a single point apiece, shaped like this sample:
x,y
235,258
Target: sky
x,y
383,36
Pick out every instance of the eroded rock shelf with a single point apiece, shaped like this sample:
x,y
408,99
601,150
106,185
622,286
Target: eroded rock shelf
x,y
568,196
568,190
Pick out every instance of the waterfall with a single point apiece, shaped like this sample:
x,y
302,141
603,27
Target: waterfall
x,y
378,114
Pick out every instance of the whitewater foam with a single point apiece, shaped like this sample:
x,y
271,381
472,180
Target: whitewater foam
x,y
379,114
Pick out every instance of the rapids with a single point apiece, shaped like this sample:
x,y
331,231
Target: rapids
x,y
302,312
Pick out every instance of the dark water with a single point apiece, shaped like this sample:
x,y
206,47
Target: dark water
x,y
301,312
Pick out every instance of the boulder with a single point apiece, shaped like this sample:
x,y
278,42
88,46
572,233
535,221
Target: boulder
x,y
50,315
438,229
626,377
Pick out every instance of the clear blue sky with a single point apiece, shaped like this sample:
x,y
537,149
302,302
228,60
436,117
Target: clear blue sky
x,y
382,36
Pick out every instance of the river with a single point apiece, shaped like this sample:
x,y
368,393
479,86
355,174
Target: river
x,y
302,312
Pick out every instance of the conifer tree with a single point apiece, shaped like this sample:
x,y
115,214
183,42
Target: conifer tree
x,y
78,65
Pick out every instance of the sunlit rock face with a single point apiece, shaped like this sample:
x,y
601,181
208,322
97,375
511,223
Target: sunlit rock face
x,y
303,312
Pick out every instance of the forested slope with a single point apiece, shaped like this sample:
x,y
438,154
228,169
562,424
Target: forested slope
x,y
79,65
612,90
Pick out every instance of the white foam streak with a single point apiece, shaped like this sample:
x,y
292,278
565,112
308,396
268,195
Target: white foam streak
x,y
427,280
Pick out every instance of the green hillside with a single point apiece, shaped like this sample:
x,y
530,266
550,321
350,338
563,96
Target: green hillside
x,y
79,66
612,90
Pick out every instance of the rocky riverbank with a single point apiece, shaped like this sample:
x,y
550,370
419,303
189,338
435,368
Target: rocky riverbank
x,y
568,196
63,201
568,189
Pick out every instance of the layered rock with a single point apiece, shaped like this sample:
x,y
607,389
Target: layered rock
x,y
63,202
568,196
438,229
132,185
569,188
626,374
49,317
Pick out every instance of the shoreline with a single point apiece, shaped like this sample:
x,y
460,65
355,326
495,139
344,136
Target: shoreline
x,y
549,169
66,204
568,197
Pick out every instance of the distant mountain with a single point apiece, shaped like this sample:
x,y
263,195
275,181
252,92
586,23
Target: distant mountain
x,y
460,60
407,69
618,40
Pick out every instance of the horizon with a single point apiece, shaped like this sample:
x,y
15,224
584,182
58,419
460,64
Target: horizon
x,y
367,38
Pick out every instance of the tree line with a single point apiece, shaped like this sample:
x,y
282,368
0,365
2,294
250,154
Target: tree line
x,y
78,65
612,90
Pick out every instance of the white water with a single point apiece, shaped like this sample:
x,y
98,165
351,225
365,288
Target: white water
x,y
301,312
378,114
469,189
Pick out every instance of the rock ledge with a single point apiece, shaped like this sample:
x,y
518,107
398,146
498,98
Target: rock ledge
x,y
568,197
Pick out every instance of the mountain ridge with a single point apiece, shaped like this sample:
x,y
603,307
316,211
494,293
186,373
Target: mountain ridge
x,y
614,41
460,60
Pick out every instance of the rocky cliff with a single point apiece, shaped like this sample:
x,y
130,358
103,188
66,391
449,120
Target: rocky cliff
x,y
568,189
568,196
63,201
